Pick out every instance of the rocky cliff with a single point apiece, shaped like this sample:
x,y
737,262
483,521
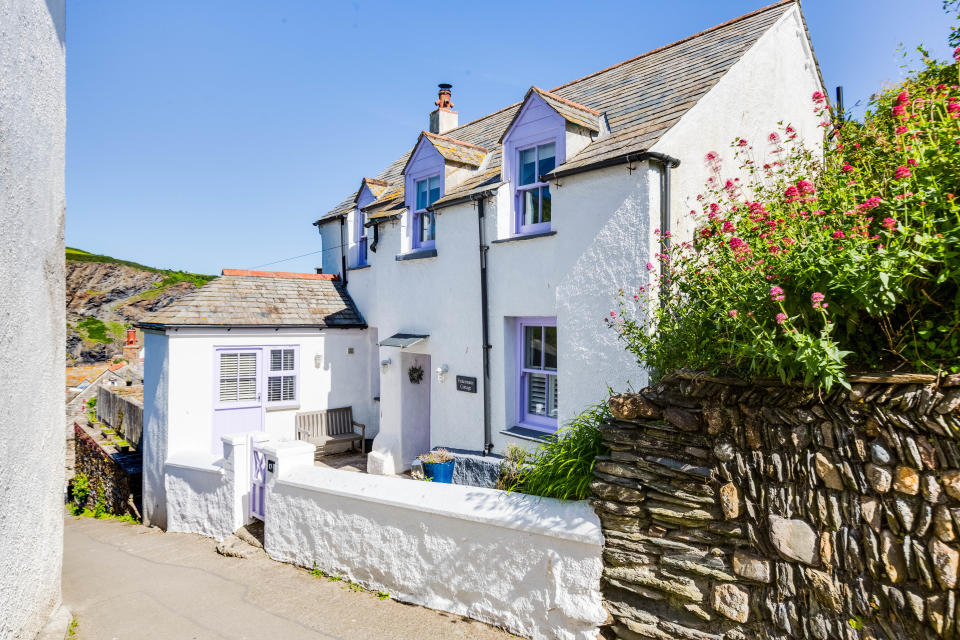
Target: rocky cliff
x,y
105,296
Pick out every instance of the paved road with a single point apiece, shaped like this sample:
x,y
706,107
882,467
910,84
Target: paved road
x,y
127,581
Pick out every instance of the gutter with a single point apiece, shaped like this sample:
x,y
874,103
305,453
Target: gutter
x,y
480,199
162,327
626,158
343,253
466,198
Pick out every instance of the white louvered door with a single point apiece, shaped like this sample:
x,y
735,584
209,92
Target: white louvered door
x,y
238,401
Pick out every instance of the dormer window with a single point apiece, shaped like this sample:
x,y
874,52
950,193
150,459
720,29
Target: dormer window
x,y
533,204
428,192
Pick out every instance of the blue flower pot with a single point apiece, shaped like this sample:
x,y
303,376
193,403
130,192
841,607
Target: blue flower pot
x,y
439,471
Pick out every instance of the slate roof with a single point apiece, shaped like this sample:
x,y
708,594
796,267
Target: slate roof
x,y
570,111
642,98
242,298
456,150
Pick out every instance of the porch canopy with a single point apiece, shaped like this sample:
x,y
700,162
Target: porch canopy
x,y
404,340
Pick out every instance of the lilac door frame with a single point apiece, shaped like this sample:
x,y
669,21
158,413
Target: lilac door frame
x,y
520,395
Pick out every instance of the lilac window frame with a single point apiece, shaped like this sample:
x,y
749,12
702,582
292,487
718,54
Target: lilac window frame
x,y
419,213
269,373
219,404
360,235
532,421
520,191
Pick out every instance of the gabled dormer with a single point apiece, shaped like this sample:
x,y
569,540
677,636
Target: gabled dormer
x,y
436,165
545,132
370,190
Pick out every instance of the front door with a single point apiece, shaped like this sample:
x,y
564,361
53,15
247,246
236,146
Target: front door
x,y
415,405
237,395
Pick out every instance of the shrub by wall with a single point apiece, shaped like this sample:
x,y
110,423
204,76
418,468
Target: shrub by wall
x,y
734,511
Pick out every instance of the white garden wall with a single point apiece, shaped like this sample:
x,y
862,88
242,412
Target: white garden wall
x,y
530,565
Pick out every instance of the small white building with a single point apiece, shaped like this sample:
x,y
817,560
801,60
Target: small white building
x,y
246,352
488,255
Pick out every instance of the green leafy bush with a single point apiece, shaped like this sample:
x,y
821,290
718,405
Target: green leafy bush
x,y
814,266
562,467
79,491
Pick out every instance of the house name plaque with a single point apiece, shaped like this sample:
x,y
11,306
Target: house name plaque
x,y
466,383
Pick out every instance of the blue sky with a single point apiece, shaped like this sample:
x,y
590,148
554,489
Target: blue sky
x,y
210,134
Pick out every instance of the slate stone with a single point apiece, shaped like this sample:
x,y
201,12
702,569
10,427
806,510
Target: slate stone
x,y
891,553
945,560
951,483
825,589
943,524
879,453
870,511
730,501
794,540
751,567
879,477
906,480
930,488
632,406
828,473
731,601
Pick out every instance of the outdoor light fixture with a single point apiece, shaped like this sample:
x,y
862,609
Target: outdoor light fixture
x,y
317,361
442,373
385,364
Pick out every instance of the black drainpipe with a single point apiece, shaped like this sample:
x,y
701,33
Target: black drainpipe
x,y
343,254
485,323
666,163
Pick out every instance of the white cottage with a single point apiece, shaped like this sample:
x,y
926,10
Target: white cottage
x,y
487,256
246,352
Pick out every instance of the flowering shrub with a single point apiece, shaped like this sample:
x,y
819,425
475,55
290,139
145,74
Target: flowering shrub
x,y
813,266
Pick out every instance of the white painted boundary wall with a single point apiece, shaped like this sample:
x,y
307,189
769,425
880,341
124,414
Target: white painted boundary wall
x,y
530,565
207,495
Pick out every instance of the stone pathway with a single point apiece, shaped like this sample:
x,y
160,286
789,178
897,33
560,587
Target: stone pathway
x,y
128,581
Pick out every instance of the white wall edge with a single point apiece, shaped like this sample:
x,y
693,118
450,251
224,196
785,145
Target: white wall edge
x,y
196,461
568,520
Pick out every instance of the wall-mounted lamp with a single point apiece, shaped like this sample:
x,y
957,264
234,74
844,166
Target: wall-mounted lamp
x,y
317,360
442,373
385,364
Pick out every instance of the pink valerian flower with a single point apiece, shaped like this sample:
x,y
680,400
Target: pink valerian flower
x,y
732,313
870,203
817,300
806,187
649,266
773,137
889,223
900,112
737,245
846,168
781,318
613,314
903,172
839,234
776,294
791,193
901,130
953,107
818,97
741,142
706,233
728,227
912,162
956,54
903,97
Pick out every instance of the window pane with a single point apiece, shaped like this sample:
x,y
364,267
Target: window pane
x,y
434,189
533,347
276,359
528,166
247,365
228,389
432,227
548,160
228,365
552,396
427,226
545,204
288,359
247,389
537,394
550,348
289,387
531,206
274,389
421,195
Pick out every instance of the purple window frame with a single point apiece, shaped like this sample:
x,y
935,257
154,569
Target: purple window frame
x,y
526,419
418,214
237,404
520,191
360,237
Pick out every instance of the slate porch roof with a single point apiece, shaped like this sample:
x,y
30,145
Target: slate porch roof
x,y
642,98
243,298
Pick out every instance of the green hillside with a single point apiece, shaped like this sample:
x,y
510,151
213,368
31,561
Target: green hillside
x,y
170,276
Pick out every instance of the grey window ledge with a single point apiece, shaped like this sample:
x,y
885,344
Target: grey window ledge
x,y
525,236
418,255
358,267
526,434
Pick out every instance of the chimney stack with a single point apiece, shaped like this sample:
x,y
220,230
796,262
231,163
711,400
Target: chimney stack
x,y
443,118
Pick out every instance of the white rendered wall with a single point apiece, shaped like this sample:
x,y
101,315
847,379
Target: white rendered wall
x,y
156,412
531,565
32,315
774,81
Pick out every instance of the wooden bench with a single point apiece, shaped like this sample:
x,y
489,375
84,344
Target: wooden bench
x,y
330,426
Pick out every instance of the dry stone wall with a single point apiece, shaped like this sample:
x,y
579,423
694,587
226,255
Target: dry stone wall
x,y
119,475
735,511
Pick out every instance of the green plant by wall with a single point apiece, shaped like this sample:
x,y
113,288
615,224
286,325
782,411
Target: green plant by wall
x,y
79,491
92,402
812,266
562,467
100,507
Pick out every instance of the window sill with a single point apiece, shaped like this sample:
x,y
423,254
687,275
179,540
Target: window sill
x,y
526,433
525,236
282,407
418,254
358,267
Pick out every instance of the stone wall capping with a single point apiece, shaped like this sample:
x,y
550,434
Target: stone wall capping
x,y
735,510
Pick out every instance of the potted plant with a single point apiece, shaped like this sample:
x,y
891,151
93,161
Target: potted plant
x,y
438,465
